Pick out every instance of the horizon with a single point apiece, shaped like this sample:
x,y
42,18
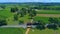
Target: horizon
x,y
23,1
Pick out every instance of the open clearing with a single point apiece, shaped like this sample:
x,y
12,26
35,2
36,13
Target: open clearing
x,y
49,15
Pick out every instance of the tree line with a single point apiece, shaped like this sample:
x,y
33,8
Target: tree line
x,y
43,7
54,23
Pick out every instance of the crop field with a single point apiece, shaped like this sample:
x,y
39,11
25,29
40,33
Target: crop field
x,y
48,11
49,15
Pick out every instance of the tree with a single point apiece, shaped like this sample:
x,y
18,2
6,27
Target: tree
x,y
2,22
29,10
34,12
40,25
52,26
31,15
15,17
24,11
53,20
59,22
21,22
14,9
2,6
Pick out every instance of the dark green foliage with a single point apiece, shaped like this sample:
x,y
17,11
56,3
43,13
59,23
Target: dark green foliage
x,y
24,11
22,14
32,13
46,7
15,17
2,6
14,9
52,26
21,22
41,27
41,22
53,20
3,22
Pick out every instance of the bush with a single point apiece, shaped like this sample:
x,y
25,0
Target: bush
x,y
3,22
21,22
41,27
15,17
52,26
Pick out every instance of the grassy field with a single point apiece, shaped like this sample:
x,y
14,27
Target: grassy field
x,y
12,31
25,18
41,15
44,19
46,31
5,13
48,12
10,20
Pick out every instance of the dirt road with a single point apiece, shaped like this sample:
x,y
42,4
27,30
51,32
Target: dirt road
x,y
28,29
49,15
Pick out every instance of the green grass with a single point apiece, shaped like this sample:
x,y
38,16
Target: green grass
x,y
25,18
44,19
12,31
48,12
46,31
5,13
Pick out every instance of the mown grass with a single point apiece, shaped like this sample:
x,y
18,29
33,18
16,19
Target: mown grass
x,y
44,19
12,31
25,18
46,31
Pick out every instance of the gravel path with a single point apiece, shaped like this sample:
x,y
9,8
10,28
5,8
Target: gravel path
x,y
49,15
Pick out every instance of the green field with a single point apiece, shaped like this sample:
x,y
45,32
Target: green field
x,y
46,31
44,19
9,16
12,31
48,12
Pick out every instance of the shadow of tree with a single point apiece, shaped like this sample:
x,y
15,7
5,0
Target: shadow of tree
x,y
40,27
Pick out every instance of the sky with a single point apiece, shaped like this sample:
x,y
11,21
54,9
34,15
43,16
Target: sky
x,y
1,1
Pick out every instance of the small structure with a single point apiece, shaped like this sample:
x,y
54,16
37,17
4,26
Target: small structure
x,y
29,25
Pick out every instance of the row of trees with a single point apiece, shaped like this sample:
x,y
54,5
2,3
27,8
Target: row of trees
x,y
47,7
54,23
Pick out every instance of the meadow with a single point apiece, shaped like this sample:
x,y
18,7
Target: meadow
x,y
12,31
46,31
